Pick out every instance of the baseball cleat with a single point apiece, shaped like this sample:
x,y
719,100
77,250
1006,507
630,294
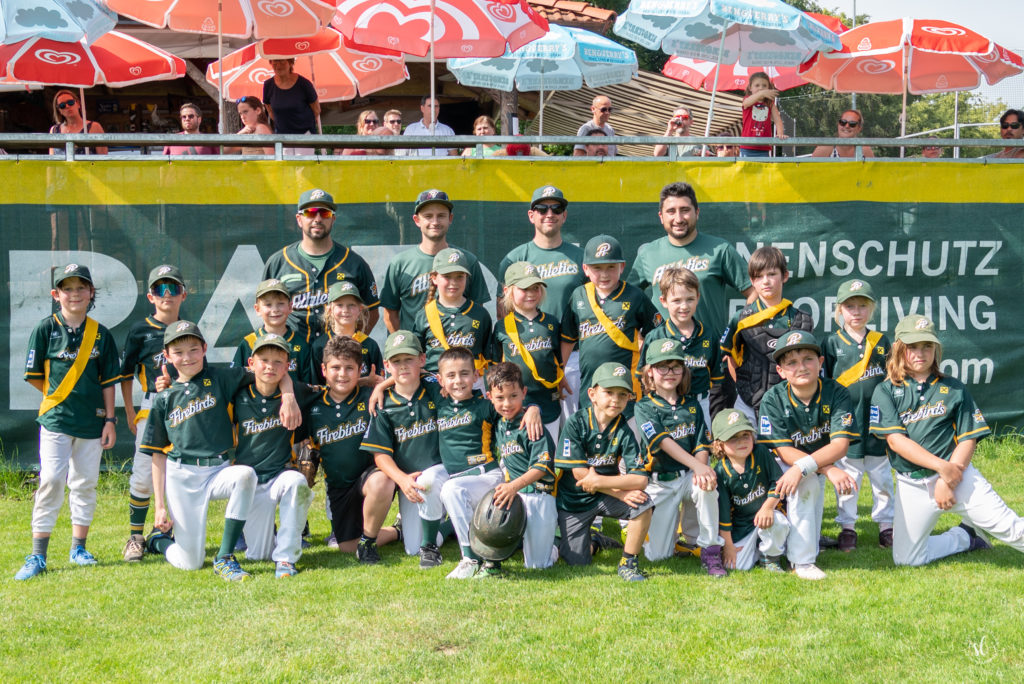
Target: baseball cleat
x,y
430,556
79,556
772,564
284,569
134,548
229,569
601,541
629,570
827,542
978,543
466,568
847,540
34,565
367,553
808,571
331,541
685,549
489,570
711,559
885,538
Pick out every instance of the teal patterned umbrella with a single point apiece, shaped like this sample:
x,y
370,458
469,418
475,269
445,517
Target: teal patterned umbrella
x,y
67,21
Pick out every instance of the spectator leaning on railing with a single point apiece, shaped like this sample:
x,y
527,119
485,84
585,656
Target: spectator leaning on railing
x,y
254,122
1011,127
679,126
366,124
67,117
191,119
601,108
850,125
430,110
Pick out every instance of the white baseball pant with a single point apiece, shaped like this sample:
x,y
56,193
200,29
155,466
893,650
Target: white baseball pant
x,y
432,479
689,523
189,490
804,510
747,410
140,484
571,403
767,543
976,502
288,489
460,496
539,550
879,474
71,460
552,430
667,496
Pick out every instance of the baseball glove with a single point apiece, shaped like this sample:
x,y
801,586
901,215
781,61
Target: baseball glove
x,y
307,463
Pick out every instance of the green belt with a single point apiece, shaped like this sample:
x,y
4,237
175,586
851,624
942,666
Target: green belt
x,y
476,470
206,461
668,476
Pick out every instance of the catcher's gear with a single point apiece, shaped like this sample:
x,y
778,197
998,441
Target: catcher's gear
x,y
307,463
495,533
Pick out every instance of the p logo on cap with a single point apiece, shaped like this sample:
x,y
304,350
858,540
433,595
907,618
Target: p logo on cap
x,y
667,345
602,249
398,339
317,194
856,285
922,324
183,325
70,267
453,258
734,417
794,338
620,370
548,191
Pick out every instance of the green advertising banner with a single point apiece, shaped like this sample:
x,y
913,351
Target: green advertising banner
x,y
941,239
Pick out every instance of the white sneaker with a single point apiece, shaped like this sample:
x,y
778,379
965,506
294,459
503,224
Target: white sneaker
x,y
466,568
808,571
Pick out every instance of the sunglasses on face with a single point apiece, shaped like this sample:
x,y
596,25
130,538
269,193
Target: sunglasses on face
x,y
543,209
1009,124
188,116
849,124
167,289
313,212
393,122
371,122
604,110
66,103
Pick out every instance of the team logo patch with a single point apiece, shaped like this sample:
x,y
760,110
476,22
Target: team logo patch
x,y
978,418
734,417
846,420
826,409
922,324
454,257
31,358
897,392
856,285
430,405
648,429
164,270
619,371
530,270
943,390
625,306
706,344
766,426
602,249
548,191
433,193
361,406
317,194
399,339
876,415
793,338
566,448
207,382
667,345
693,410
181,326
70,267
772,343
476,324
296,348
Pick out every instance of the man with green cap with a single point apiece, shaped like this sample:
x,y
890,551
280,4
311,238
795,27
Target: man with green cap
x,y
310,266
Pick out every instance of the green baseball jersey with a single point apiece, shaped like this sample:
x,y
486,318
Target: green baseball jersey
x,y
465,430
586,445
519,454
372,358
787,421
701,352
143,353
406,429
299,364
843,359
541,338
715,262
682,422
192,419
629,310
938,414
261,442
560,268
467,326
52,350
309,283
337,428
408,279
741,495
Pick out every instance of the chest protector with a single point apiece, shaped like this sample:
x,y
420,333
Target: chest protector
x,y
758,373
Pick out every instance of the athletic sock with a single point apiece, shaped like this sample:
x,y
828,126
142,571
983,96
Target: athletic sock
x,y
628,557
446,529
40,545
159,544
77,541
138,508
232,531
368,539
467,552
848,527
430,528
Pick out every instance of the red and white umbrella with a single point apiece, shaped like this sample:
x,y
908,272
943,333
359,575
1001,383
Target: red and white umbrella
x,y
238,18
701,75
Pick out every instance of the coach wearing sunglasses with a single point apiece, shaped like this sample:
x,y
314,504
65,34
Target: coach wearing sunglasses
x,y
67,116
850,125
601,109
1011,127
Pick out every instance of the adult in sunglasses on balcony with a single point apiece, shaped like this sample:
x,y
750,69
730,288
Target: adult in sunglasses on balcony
x,y
1011,127
67,116
850,125
678,126
601,109
366,124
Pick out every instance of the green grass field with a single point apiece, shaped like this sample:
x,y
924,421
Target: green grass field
x,y
957,620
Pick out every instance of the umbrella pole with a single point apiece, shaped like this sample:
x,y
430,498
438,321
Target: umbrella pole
x,y
906,87
956,122
433,111
540,110
714,89
220,65
312,78
81,100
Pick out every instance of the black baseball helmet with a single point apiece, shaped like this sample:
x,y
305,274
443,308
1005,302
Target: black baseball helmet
x,y
495,533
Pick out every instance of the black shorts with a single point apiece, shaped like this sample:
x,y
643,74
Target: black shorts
x,y
347,508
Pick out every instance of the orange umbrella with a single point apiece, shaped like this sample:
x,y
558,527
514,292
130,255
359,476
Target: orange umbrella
x,y
238,18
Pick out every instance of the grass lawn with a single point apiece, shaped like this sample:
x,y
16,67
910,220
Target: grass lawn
x,y
957,620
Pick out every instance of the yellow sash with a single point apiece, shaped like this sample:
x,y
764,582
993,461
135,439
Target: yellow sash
x,y
77,368
854,373
513,332
616,335
434,321
756,319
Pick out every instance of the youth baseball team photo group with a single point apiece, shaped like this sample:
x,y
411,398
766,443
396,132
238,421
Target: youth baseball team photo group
x,y
603,388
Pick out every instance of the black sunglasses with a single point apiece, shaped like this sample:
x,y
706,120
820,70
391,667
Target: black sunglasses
x,y
849,124
604,110
371,122
542,209
71,103
1009,124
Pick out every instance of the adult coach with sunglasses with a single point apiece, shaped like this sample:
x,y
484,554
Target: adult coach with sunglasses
x,y
310,266
601,108
1011,127
850,125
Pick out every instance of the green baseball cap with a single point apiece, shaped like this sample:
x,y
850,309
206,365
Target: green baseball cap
x,y
430,196
272,340
402,342
548,192
795,339
175,331
450,260
343,288
316,198
523,274
603,249
71,271
659,351
729,423
854,288
612,375
916,328
272,285
166,272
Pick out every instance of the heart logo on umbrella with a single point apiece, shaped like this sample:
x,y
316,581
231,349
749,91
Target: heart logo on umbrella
x,y
501,12
302,45
260,75
392,40
864,44
876,66
467,49
57,57
276,8
944,30
989,58
367,64
135,71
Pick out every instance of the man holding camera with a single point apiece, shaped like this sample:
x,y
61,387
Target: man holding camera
x,y
679,126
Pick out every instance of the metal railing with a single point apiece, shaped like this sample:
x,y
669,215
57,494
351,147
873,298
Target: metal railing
x,y
150,146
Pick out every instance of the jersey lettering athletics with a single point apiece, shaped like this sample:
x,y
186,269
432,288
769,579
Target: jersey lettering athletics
x,y
309,283
519,454
716,263
750,339
143,353
938,414
406,429
683,423
561,269
586,445
299,364
629,310
372,358
408,279
261,441
787,421
741,495
52,351
843,355
337,428
192,419
467,326
541,338
465,431
701,354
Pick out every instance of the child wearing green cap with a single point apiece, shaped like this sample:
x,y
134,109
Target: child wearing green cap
x,y
274,307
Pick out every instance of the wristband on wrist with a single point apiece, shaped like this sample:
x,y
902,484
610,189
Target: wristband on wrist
x,y
807,465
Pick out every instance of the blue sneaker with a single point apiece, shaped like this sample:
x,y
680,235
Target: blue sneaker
x,y
229,569
79,556
285,569
34,565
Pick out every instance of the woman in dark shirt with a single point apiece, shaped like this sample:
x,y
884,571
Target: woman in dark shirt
x,y
291,99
